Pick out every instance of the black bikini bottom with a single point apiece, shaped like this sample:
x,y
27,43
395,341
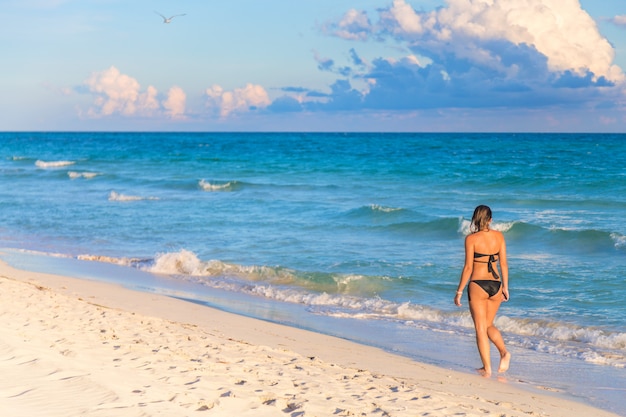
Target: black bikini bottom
x,y
490,286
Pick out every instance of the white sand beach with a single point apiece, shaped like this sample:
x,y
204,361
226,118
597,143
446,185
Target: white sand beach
x,y
82,348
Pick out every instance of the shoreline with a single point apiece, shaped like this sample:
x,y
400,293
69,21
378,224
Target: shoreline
x,y
75,347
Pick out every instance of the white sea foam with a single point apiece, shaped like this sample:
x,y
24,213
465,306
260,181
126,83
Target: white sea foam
x,y
503,226
112,259
87,257
115,196
208,186
87,175
53,164
184,262
620,240
465,226
384,209
187,263
42,253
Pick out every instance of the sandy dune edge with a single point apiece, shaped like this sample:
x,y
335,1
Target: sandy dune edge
x,y
80,348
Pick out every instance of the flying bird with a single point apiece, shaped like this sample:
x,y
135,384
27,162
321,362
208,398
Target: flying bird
x,y
168,19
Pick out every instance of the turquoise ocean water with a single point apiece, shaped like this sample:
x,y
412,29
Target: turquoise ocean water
x,y
355,235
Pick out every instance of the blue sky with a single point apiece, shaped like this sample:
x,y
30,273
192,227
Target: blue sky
x,y
314,65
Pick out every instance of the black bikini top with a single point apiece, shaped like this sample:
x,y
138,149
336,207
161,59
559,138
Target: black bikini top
x,y
492,259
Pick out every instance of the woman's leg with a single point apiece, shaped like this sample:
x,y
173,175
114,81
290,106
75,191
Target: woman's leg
x,y
479,309
493,304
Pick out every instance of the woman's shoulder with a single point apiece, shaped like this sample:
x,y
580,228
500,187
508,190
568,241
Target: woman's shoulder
x,y
498,233
471,237
499,237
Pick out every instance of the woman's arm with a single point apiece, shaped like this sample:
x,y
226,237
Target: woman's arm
x,y
504,267
468,268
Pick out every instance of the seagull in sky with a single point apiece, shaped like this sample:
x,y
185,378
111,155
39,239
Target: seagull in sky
x,y
168,19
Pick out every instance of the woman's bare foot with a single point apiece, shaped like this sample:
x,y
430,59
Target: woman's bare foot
x,y
484,373
505,360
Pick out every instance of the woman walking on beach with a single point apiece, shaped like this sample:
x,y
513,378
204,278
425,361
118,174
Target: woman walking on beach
x,y
484,249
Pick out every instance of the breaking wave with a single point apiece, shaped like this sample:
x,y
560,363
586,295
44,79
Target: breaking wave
x,y
115,196
52,164
86,175
218,186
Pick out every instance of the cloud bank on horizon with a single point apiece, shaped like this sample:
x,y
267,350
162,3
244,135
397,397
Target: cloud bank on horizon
x,y
467,54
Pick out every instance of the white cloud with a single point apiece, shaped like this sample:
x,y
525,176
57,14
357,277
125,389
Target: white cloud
x,y
117,93
407,18
518,54
147,102
175,102
354,25
560,30
237,101
120,94
619,20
